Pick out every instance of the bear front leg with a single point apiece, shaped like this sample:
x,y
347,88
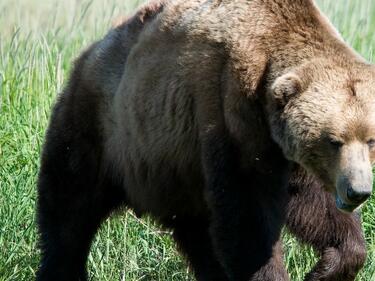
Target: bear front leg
x,y
193,240
247,207
274,270
314,219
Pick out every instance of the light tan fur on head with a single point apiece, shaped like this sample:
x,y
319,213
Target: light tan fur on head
x,y
327,123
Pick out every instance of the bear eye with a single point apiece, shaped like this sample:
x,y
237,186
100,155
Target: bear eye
x,y
336,143
371,143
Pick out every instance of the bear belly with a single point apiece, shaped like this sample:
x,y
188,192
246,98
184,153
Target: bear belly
x,y
154,147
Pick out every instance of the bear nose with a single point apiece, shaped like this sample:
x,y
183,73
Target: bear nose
x,y
357,197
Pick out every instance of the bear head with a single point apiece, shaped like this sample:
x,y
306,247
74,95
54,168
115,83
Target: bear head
x,y
322,115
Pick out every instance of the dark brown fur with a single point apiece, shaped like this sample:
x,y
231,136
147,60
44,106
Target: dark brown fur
x,y
180,156
336,237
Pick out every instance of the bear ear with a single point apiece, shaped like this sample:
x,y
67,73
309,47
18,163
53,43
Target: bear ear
x,y
285,87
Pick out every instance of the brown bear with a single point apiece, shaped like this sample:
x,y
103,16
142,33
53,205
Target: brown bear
x,y
202,114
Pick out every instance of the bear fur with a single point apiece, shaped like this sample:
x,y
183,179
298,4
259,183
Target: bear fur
x,y
196,113
314,220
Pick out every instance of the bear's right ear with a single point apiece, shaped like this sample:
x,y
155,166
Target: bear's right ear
x,y
285,87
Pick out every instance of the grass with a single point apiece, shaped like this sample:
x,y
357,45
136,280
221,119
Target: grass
x,y
38,41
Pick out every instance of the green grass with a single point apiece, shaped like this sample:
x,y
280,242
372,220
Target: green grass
x,y
38,41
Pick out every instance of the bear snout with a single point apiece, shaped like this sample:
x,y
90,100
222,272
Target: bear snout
x,y
358,196
352,191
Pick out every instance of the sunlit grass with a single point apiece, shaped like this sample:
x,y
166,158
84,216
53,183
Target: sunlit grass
x,y
38,41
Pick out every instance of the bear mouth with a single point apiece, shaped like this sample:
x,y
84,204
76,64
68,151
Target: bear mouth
x,y
345,207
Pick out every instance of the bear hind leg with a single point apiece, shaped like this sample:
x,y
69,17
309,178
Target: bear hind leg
x,y
69,213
